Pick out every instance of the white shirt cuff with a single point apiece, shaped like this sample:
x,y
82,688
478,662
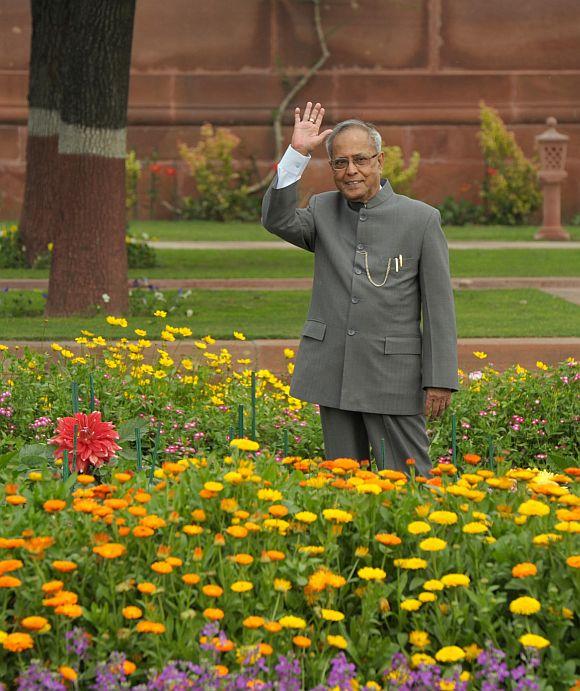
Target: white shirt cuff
x,y
291,167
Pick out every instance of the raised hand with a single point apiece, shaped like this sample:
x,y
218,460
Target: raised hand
x,y
306,137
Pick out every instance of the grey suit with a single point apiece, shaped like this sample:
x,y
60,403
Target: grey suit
x,y
363,346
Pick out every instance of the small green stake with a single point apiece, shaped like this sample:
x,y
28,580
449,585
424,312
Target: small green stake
x,y
253,405
231,432
65,468
453,438
139,450
286,443
75,397
383,455
154,455
92,392
240,421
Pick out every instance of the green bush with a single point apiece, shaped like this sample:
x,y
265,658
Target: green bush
x,y
400,176
460,212
140,255
510,191
132,175
11,250
222,186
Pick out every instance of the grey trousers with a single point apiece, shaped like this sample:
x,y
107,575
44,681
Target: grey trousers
x,y
348,434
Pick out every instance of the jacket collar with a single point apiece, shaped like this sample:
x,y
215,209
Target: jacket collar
x,y
385,193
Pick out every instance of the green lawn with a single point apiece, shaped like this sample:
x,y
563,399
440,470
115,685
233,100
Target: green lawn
x,y
208,231
281,314
297,264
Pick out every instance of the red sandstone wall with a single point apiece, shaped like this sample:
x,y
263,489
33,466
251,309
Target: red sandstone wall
x,y
417,68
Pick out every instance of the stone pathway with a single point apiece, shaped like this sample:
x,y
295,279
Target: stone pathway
x,y
282,245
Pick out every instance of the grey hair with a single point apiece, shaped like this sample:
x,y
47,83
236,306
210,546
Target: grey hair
x,y
368,127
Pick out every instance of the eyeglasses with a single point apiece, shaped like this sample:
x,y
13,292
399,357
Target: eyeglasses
x,y
360,161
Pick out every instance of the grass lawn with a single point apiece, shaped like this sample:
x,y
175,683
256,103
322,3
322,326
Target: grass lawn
x,y
488,313
297,264
208,231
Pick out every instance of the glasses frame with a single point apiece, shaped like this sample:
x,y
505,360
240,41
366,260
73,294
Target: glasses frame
x,y
351,158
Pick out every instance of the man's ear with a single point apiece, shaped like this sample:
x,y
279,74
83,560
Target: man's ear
x,y
381,158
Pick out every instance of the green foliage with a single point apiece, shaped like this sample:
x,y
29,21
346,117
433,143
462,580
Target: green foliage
x,y
140,255
510,191
222,185
400,176
11,251
460,212
132,175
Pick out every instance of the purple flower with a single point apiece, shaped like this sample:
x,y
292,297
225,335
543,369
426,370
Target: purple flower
x,y
38,678
341,673
78,641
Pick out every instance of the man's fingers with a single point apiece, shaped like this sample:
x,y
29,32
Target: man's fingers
x,y
322,136
307,112
296,116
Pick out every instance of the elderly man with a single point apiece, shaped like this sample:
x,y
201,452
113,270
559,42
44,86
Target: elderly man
x,y
378,349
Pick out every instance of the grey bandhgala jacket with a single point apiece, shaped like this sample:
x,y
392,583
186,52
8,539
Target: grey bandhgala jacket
x,y
372,342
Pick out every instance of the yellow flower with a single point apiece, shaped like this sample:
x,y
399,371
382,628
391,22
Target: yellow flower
x,y
472,651
337,515
413,563
371,574
474,528
532,640
533,507
160,313
479,354
331,615
419,639
418,527
337,641
242,586
443,517
292,622
433,585
213,486
432,544
245,444
427,597
541,365
419,659
525,605
306,517
281,585
288,353
411,604
450,653
239,335
453,580
269,495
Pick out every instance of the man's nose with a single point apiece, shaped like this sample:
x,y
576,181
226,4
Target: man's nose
x,y
351,168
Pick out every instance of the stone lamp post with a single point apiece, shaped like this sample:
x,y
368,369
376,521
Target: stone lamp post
x,y
552,147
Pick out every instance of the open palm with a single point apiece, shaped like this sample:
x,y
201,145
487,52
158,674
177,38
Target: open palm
x,y
307,136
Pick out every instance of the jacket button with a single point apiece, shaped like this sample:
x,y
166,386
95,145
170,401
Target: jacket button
x,y
351,332
358,271
355,300
360,246
363,216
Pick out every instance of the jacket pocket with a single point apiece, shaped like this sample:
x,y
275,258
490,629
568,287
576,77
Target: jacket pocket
x,y
314,329
410,345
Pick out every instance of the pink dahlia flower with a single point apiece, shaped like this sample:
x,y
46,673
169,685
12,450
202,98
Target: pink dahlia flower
x,y
96,443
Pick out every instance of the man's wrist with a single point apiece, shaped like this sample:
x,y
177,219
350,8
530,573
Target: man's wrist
x,y
300,150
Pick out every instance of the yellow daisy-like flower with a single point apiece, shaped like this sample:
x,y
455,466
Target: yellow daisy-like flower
x,y
427,597
281,585
411,604
532,640
160,313
432,544
419,659
419,639
337,641
245,444
532,507
242,586
443,517
418,527
474,528
525,605
450,653
239,336
368,573
292,622
337,515
331,615
453,580
433,585
306,517
412,564
269,495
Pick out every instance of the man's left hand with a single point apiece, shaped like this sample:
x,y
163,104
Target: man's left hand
x,y
436,401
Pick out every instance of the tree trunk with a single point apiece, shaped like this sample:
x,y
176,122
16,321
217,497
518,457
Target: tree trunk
x,y
39,214
90,255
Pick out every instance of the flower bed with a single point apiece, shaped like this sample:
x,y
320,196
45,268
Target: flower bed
x,y
528,417
252,569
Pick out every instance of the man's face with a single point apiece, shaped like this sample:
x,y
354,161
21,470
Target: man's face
x,y
357,183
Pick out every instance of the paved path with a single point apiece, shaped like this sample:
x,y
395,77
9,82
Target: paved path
x,y
282,245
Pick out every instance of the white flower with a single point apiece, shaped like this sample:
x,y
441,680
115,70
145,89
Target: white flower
x,y
475,376
105,298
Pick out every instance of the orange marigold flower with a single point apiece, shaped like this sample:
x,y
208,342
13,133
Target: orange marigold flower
x,y
11,543
302,641
52,587
132,612
243,559
70,611
64,597
146,587
212,590
143,531
111,550
574,561
213,613
161,567
64,566
146,626
34,623
17,642
54,505
9,582
389,539
471,458
524,569
8,565
129,667
68,673
275,555
15,499
253,622
190,578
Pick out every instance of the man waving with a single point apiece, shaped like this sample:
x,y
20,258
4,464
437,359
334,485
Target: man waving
x,y
378,350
